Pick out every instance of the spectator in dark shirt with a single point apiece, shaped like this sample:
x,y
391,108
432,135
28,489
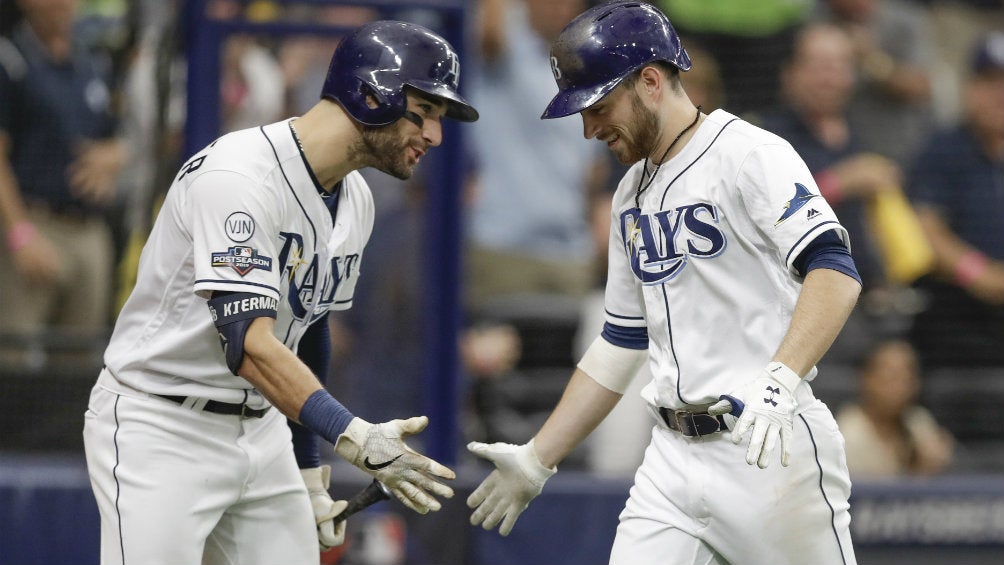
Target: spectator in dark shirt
x,y
59,161
957,185
817,84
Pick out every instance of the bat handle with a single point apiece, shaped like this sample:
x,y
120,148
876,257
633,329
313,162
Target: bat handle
x,y
373,493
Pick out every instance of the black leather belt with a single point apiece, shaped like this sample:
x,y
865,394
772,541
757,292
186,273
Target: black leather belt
x,y
216,407
692,424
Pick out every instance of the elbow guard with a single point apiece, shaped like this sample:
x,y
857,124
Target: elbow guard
x,y
611,366
233,313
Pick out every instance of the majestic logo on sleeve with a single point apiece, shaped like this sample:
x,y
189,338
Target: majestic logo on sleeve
x,y
660,244
242,260
802,196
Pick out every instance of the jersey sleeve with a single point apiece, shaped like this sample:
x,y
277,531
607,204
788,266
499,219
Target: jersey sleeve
x,y
624,316
234,230
784,202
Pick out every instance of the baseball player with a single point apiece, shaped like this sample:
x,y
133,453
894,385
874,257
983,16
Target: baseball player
x,y
261,234
730,275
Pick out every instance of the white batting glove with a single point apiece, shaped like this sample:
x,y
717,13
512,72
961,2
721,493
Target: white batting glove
x,y
379,449
767,405
328,533
518,478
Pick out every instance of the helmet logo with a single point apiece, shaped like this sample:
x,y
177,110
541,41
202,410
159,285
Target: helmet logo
x,y
453,75
554,68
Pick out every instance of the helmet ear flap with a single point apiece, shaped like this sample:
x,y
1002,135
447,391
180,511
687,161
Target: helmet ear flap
x,y
371,105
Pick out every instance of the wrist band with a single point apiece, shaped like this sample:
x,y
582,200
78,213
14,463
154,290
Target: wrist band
x,y
970,267
20,234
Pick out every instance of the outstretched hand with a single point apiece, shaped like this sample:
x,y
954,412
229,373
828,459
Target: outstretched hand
x,y
379,449
504,495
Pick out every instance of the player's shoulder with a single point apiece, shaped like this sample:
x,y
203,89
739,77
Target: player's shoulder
x,y
253,153
738,132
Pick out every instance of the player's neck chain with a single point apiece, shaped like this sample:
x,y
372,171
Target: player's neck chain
x,y
640,188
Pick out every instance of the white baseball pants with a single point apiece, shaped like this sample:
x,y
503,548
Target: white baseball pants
x,y
695,501
176,486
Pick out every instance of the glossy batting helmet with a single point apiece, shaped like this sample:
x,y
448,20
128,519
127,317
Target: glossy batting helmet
x,y
605,44
380,58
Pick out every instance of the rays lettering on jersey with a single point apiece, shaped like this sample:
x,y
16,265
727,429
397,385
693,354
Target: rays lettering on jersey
x,y
660,244
300,273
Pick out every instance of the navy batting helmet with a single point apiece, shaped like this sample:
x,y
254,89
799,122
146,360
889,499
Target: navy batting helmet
x,y
605,44
380,58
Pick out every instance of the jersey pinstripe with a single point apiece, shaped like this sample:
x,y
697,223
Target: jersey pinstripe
x,y
712,246
242,215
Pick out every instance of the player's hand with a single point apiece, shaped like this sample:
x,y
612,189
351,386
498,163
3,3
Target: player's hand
x,y
39,261
329,534
379,449
767,405
93,173
504,495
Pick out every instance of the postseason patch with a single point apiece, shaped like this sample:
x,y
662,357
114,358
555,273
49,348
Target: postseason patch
x,y
242,260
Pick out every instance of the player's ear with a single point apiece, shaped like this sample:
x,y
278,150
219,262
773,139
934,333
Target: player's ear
x,y
649,81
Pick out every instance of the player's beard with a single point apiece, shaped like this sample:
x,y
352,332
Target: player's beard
x,y
646,125
387,150
644,128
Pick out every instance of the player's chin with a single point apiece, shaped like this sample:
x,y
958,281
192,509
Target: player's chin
x,y
624,154
402,171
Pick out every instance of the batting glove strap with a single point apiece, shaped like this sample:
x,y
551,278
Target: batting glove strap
x,y
784,376
379,449
531,467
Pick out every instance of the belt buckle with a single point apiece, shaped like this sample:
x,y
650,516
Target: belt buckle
x,y
685,422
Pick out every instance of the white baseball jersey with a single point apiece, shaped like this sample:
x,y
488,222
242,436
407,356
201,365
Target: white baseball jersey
x,y
706,265
243,215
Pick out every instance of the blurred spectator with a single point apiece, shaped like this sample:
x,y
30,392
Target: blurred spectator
x,y
252,86
152,98
955,26
958,187
748,39
817,83
890,111
304,59
886,433
527,225
703,81
59,160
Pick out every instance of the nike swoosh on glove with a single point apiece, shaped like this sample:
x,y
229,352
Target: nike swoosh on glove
x,y
328,534
379,449
768,408
517,479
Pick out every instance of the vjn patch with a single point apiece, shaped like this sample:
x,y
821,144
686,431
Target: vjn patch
x,y
242,259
